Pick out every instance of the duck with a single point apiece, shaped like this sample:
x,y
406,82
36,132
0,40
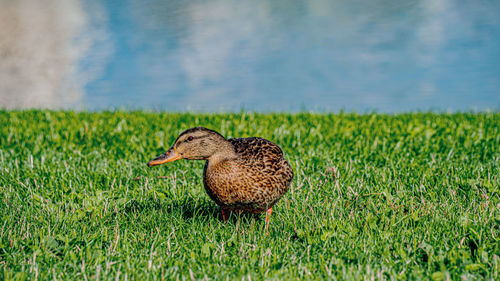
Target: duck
x,y
240,174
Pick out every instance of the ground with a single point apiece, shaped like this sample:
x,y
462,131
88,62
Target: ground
x,y
404,196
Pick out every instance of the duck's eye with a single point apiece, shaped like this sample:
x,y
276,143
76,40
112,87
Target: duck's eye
x,y
190,138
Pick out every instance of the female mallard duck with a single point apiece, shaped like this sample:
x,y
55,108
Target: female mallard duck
x,y
241,174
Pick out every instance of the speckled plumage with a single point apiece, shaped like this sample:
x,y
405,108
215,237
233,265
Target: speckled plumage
x,y
241,174
253,181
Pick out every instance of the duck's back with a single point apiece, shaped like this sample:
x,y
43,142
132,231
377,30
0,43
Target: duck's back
x,y
254,181
257,150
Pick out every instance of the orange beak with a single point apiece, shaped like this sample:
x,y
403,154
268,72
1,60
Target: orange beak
x,y
169,156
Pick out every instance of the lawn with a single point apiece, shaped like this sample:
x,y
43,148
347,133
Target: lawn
x,y
405,196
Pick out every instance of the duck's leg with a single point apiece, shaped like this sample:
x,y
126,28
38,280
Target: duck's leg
x,y
225,214
268,217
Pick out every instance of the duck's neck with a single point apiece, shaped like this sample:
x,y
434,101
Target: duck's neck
x,y
224,152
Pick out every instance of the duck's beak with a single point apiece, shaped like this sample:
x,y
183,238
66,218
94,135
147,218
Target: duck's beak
x,y
169,156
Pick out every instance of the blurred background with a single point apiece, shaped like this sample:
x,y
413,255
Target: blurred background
x,y
229,55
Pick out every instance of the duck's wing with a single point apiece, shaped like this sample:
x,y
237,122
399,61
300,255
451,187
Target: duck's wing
x,y
256,148
264,170
261,154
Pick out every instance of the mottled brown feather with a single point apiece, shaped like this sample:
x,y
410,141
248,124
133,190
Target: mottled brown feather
x,y
253,181
241,174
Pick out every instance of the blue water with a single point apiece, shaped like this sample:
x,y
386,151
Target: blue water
x,y
228,55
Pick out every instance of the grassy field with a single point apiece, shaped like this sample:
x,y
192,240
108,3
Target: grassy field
x,y
374,196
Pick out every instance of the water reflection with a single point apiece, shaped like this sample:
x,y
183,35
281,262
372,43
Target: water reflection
x,y
273,55
43,45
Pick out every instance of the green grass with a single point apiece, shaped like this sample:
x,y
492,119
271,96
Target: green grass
x,y
407,196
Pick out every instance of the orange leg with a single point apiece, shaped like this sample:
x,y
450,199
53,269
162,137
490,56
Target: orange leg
x,y
225,214
268,217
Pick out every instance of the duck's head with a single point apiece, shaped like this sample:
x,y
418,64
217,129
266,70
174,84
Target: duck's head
x,y
194,144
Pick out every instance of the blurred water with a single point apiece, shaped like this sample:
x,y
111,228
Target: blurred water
x,y
325,55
